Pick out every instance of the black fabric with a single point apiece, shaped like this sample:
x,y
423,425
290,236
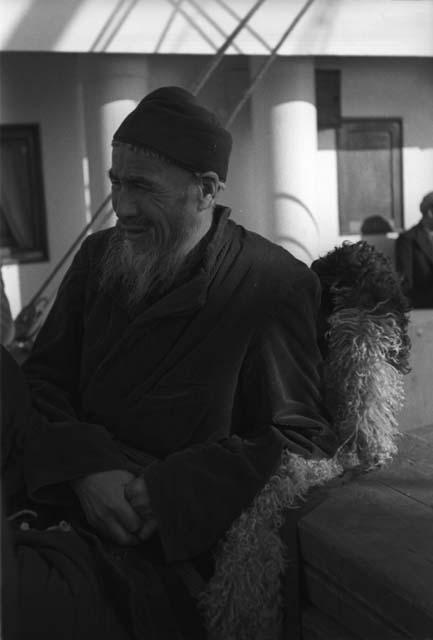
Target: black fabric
x,y
204,380
17,420
171,121
207,384
50,585
414,257
60,580
58,593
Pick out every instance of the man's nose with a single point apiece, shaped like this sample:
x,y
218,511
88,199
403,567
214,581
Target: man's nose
x,y
124,205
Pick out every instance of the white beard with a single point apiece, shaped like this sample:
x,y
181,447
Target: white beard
x,y
143,266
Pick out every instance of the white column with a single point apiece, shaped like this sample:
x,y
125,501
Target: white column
x,y
111,87
293,137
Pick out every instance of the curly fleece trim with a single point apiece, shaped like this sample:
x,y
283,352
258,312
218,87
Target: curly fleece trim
x,y
363,389
243,599
364,393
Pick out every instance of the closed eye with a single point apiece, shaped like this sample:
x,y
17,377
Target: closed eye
x,y
141,185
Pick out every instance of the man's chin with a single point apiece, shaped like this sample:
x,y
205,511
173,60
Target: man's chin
x,y
139,236
136,233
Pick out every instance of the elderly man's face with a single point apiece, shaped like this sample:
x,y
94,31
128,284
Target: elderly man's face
x,y
150,197
158,210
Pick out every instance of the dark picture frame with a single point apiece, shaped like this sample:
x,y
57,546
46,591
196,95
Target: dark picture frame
x,y
23,230
370,183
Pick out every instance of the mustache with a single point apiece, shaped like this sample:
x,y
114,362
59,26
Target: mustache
x,y
144,230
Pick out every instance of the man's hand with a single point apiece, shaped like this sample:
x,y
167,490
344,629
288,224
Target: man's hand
x,y
137,494
102,497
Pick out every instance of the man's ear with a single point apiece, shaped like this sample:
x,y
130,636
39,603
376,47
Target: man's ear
x,y
209,188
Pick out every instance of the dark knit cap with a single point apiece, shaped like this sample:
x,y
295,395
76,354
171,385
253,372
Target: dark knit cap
x,y
171,122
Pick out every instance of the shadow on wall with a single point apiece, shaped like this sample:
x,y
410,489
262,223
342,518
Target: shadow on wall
x,y
33,22
299,243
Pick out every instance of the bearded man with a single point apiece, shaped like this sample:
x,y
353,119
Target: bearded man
x,y
177,362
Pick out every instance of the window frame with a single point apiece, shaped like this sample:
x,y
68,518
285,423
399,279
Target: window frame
x,y
29,136
397,219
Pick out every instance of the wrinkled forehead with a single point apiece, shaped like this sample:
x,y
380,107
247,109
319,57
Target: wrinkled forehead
x,y
127,158
130,162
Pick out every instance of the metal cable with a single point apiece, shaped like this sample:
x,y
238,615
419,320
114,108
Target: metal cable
x,y
216,60
194,24
212,22
253,32
168,25
257,79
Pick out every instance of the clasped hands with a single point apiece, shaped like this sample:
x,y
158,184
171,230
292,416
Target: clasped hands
x,y
116,503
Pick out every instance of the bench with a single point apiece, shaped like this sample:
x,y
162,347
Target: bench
x,y
418,409
367,552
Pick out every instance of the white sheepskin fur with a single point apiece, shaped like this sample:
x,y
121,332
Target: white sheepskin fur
x,y
364,392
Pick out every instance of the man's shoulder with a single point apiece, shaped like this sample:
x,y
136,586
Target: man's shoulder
x,y
272,261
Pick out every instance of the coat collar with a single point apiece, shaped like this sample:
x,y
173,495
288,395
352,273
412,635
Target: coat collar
x,y
190,296
190,291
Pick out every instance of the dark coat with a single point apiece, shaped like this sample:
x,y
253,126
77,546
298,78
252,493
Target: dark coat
x,y
414,257
211,382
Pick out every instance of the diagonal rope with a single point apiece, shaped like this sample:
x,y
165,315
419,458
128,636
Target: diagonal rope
x,y
168,25
108,23
261,73
235,15
194,24
199,84
120,24
212,22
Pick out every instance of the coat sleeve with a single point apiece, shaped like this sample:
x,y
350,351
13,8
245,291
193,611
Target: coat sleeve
x,y
196,494
63,447
282,376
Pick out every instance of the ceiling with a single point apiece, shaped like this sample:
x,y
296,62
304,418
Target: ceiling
x,y
329,27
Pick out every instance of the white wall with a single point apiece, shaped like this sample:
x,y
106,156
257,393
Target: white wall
x,y
380,88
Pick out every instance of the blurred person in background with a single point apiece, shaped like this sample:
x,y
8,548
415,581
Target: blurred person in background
x,y
375,230
414,257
